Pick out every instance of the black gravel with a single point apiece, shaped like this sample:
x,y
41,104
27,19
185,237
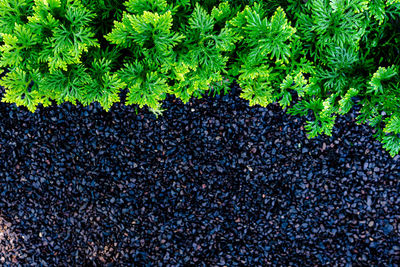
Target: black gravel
x,y
213,182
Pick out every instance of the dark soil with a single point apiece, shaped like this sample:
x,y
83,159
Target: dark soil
x,y
212,182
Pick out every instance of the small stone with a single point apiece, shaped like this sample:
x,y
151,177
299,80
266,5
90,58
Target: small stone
x,y
387,229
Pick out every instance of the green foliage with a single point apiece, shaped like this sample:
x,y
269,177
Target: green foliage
x,y
316,58
201,59
381,107
14,12
44,52
264,47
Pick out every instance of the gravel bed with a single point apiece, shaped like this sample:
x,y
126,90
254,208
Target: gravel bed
x,y
210,183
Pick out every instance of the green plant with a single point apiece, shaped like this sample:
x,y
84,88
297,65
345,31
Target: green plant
x,y
330,54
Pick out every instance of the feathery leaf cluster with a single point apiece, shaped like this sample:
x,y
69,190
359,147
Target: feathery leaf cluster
x,y
330,54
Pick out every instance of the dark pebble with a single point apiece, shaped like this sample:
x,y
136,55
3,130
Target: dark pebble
x,y
210,183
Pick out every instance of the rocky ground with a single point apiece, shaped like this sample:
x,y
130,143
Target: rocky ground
x,y
213,182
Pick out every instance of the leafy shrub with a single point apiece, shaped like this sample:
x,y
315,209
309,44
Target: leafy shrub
x,y
330,54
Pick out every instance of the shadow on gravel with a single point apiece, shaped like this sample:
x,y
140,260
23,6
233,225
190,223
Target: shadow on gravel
x,y
213,182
